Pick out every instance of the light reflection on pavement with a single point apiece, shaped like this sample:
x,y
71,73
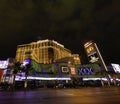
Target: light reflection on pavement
x,y
88,95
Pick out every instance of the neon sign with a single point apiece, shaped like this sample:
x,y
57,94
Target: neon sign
x,y
85,71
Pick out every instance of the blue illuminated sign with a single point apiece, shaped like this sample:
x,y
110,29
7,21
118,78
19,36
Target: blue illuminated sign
x,y
85,71
27,61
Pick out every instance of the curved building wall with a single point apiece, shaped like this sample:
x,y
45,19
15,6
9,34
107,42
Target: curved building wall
x,y
44,51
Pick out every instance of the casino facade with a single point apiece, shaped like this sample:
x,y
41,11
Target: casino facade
x,y
44,51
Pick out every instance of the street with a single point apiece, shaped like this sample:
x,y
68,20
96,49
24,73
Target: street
x,y
88,95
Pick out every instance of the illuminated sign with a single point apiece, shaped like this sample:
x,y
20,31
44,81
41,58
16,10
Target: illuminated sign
x,y
85,71
116,67
93,58
90,48
91,52
65,69
25,62
73,72
3,64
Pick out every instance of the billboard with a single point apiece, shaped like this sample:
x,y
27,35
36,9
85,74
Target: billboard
x,y
91,52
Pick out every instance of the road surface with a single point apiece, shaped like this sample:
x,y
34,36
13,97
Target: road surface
x,y
88,95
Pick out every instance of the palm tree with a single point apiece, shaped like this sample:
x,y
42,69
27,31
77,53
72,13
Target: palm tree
x,y
113,75
101,74
16,68
26,69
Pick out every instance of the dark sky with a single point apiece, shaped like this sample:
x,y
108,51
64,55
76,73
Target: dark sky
x,y
70,22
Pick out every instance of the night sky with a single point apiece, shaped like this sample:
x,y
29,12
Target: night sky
x,y
70,22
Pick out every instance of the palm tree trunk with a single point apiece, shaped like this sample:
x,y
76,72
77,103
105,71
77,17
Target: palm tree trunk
x,y
108,79
25,83
108,83
102,83
114,81
14,80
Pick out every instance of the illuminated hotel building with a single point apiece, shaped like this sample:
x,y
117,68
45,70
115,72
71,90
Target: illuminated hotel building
x,y
42,51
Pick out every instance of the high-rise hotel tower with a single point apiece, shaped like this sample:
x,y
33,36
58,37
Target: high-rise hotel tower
x,y
42,51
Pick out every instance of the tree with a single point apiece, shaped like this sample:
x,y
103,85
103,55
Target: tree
x,y
101,74
113,74
16,68
27,68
